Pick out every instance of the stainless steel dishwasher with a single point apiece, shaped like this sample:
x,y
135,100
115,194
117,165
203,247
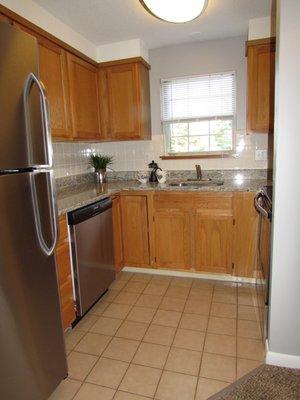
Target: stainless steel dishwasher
x,y
91,232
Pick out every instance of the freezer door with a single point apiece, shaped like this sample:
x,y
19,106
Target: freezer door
x,y
32,349
24,120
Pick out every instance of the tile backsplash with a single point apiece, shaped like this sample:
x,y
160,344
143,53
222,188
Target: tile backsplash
x,y
73,158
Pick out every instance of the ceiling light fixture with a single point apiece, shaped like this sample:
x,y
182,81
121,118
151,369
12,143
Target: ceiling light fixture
x,y
177,11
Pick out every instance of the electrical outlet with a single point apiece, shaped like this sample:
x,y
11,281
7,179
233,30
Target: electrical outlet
x,y
261,155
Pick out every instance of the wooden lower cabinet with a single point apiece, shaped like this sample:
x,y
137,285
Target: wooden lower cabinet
x,y
205,232
172,239
135,233
63,264
245,235
117,228
212,241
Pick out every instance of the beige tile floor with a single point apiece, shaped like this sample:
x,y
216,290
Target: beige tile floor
x,y
164,338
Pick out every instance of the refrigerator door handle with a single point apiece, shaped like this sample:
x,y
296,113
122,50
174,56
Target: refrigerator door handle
x,y
29,81
48,250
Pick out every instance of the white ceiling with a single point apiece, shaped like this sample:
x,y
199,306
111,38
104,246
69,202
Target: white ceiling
x,y
107,21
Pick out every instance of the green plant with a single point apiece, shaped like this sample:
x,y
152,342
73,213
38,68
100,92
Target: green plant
x,y
99,161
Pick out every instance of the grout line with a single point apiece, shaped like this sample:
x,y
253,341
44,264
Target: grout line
x,y
77,391
98,357
163,296
141,341
206,331
176,330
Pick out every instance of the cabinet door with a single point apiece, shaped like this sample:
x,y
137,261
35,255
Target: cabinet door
x,y
104,110
212,241
65,276
145,109
53,73
123,101
245,235
135,230
171,239
117,227
84,98
261,83
4,18
65,285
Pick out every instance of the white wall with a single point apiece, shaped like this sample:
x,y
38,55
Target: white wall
x,y
42,18
260,28
284,338
45,20
124,49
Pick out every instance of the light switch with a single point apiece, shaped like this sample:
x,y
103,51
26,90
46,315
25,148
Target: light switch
x,y
261,155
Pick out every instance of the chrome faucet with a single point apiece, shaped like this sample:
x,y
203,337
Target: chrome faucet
x,y
198,172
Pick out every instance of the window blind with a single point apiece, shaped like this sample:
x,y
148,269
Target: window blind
x,y
198,113
198,98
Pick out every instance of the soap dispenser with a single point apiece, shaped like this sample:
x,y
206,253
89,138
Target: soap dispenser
x,y
153,175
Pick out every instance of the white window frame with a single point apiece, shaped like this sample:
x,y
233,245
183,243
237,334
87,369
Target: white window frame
x,y
166,134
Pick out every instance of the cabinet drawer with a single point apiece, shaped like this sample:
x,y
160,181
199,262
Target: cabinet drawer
x,y
213,202
174,201
189,201
63,261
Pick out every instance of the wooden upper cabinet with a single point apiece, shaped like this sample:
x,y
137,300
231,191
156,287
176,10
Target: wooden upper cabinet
x,y
83,81
261,83
90,101
125,100
172,239
4,18
53,74
212,239
135,230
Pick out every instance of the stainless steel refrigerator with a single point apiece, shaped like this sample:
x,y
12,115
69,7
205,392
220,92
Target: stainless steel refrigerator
x,y
32,349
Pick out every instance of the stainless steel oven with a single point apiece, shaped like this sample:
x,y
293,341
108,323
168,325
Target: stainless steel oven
x,y
263,205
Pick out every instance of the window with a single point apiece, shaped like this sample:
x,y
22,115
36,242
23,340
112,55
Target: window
x,y
198,113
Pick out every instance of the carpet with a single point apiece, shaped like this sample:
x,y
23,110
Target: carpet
x,y
266,382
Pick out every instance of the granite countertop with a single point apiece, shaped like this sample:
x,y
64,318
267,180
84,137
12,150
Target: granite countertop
x,y
76,196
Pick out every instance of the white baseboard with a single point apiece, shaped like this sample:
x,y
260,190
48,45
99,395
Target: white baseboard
x,y
281,359
187,274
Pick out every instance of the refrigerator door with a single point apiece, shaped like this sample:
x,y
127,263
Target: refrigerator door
x,y
33,360
24,122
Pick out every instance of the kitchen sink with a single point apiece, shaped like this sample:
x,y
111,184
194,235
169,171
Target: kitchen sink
x,y
195,183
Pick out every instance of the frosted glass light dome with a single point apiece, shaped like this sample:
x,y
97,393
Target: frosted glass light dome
x,y
177,11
